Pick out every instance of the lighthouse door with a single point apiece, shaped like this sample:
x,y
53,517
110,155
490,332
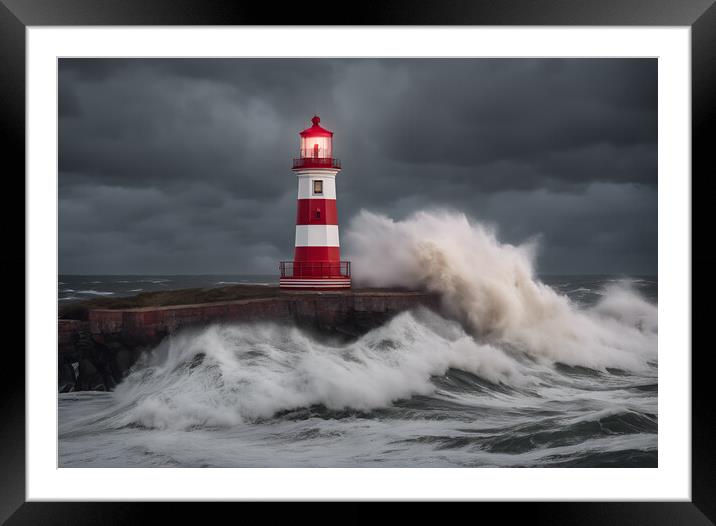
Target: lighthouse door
x,y
315,151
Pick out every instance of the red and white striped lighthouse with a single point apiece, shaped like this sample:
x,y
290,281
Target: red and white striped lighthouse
x,y
317,261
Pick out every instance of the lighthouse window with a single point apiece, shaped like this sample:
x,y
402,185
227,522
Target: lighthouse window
x,y
317,187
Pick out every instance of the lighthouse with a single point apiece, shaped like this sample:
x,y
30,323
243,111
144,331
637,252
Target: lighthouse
x,y
317,261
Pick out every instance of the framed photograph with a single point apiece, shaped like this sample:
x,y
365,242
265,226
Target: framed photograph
x,y
411,256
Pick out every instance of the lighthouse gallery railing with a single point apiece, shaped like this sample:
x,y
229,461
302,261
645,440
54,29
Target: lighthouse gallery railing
x,y
316,162
315,269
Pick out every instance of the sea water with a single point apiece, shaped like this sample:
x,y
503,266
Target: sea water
x,y
516,370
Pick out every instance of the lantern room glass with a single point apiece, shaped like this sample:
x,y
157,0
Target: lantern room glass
x,y
316,147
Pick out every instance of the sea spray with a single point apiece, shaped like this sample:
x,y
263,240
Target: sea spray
x,y
491,288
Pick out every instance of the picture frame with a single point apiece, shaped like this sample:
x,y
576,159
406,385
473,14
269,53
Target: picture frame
x,y
17,15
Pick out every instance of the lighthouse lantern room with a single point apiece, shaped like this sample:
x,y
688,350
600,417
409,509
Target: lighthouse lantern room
x,y
317,263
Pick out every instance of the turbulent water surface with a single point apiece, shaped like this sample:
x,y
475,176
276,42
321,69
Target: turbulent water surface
x,y
515,371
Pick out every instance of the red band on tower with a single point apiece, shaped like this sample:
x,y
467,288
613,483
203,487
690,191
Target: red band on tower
x,y
317,212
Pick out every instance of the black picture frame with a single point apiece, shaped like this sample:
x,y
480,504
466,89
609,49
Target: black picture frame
x,y
16,15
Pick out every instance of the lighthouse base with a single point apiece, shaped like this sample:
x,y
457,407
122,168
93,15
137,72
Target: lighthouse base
x,y
315,283
315,275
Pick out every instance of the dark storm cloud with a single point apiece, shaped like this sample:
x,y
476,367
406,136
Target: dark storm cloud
x,y
452,114
177,165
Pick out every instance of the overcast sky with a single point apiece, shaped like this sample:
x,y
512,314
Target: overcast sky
x,y
172,166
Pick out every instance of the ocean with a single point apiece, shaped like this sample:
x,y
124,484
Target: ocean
x,y
517,369
420,391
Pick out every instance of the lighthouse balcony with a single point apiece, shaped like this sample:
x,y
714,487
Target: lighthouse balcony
x,y
316,162
315,269
315,275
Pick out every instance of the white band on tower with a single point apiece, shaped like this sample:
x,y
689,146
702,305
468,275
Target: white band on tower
x,y
317,236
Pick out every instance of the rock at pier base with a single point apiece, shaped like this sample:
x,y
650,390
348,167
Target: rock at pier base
x,y
90,379
66,380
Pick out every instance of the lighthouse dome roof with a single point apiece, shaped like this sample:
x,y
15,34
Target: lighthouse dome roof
x,y
316,130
